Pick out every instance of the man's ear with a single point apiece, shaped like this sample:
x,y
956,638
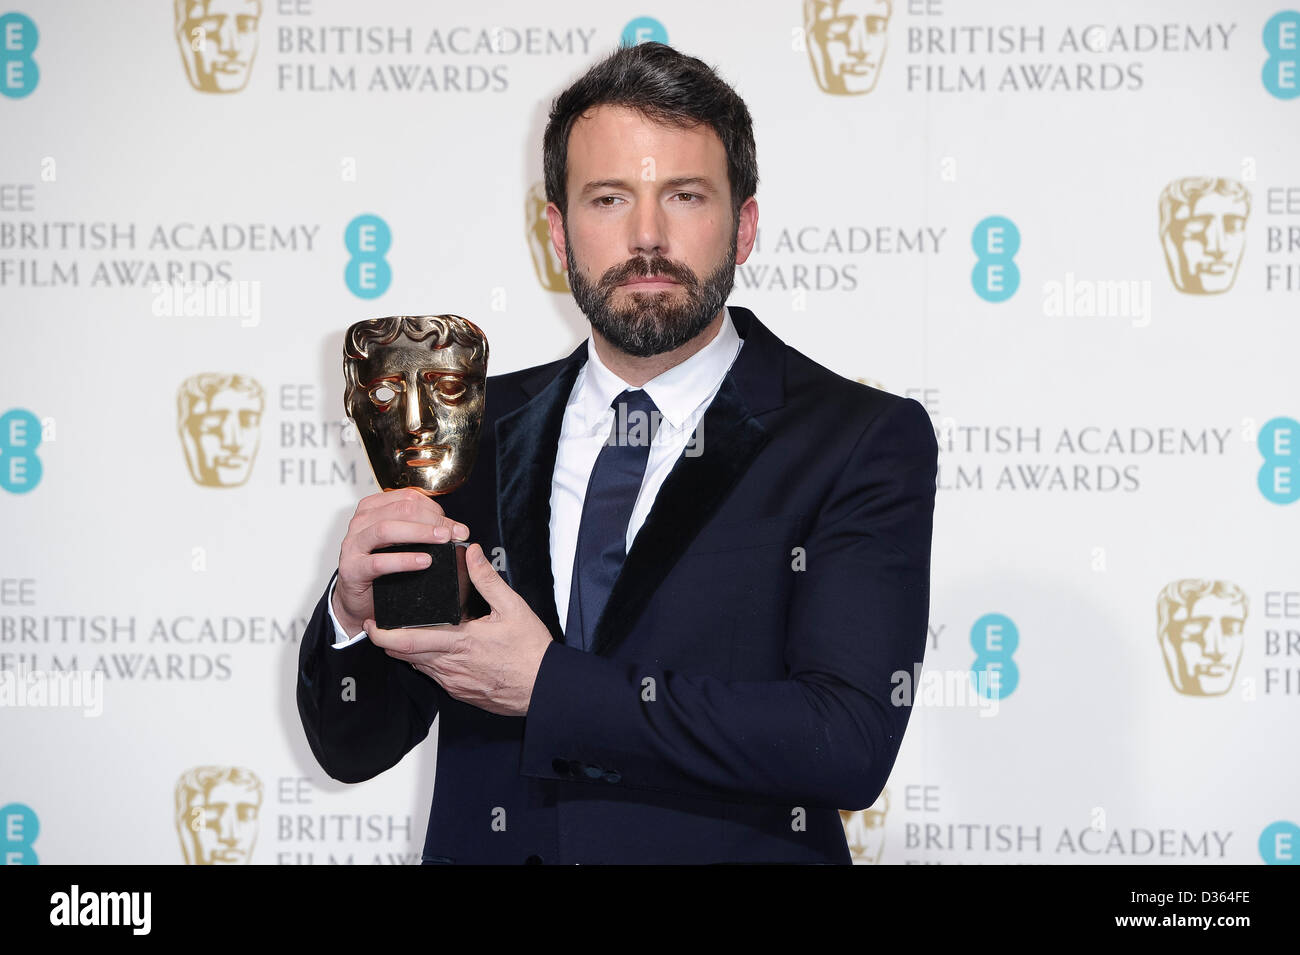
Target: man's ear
x,y
746,229
555,221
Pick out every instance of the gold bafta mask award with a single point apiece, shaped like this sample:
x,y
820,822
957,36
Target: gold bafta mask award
x,y
415,387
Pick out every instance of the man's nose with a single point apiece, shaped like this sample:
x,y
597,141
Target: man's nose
x,y
649,237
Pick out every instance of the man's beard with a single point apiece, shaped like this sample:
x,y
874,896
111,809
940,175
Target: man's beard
x,y
652,323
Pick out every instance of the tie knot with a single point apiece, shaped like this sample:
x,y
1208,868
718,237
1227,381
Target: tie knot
x,y
636,419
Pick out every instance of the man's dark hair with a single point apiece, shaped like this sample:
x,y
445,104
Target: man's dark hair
x,y
666,86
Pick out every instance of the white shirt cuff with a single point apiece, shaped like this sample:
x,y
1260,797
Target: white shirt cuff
x,y
341,639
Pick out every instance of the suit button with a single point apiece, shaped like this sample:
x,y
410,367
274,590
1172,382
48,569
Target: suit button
x,y
533,860
611,777
593,772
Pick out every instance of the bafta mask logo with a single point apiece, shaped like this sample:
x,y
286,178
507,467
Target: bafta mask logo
x,y
414,388
1203,232
1200,625
220,420
846,42
545,262
218,40
865,831
216,815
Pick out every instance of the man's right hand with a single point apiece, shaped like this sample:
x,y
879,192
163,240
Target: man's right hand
x,y
403,516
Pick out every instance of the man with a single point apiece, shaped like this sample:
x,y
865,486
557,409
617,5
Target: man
x,y
689,654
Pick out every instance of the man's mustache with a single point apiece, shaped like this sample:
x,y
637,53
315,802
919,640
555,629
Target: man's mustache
x,y
639,266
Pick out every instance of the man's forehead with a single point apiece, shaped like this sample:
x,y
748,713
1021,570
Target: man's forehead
x,y
604,137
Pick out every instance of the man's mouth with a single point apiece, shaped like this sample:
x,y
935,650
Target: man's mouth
x,y
424,456
650,283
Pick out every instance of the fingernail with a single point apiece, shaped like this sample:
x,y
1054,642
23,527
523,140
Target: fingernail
x,y
462,531
423,560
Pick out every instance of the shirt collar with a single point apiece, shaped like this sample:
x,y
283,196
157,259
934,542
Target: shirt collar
x,y
678,392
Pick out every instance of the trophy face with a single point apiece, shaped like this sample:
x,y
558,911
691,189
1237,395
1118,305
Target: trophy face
x,y
415,390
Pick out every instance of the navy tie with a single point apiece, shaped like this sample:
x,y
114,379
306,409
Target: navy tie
x,y
611,493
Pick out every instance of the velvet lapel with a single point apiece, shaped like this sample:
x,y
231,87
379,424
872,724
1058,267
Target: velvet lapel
x,y
729,437
527,441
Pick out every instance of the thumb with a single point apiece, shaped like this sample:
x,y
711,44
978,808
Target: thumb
x,y
486,580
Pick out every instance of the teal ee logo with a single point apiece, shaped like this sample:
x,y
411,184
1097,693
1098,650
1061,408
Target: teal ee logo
x,y
994,639
1279,443
643,30
1282,68
18,830
19,73
1279,844
996,240
20,468
368,239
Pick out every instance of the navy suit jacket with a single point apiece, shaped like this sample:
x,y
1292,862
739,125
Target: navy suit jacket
x,y
738,690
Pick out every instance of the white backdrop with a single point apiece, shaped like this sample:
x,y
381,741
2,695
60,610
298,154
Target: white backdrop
x,y
1100,427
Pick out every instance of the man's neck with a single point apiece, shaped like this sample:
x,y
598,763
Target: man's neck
x,y
636,371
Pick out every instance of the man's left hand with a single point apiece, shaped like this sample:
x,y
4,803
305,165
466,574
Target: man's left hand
x,y
491,662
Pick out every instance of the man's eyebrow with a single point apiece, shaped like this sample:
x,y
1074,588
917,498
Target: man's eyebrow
x,y
676,182
700,182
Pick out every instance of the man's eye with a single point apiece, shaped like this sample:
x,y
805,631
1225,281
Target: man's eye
x,y
607,201
687,195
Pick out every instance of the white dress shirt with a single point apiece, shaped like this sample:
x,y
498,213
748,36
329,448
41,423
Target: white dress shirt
x,y
682,394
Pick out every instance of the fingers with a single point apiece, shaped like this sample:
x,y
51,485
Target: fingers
x,y
406,504
386,498
498,594
360,569
386,532
412,640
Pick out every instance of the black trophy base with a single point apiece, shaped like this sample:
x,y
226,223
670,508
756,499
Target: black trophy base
x,y
439,594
